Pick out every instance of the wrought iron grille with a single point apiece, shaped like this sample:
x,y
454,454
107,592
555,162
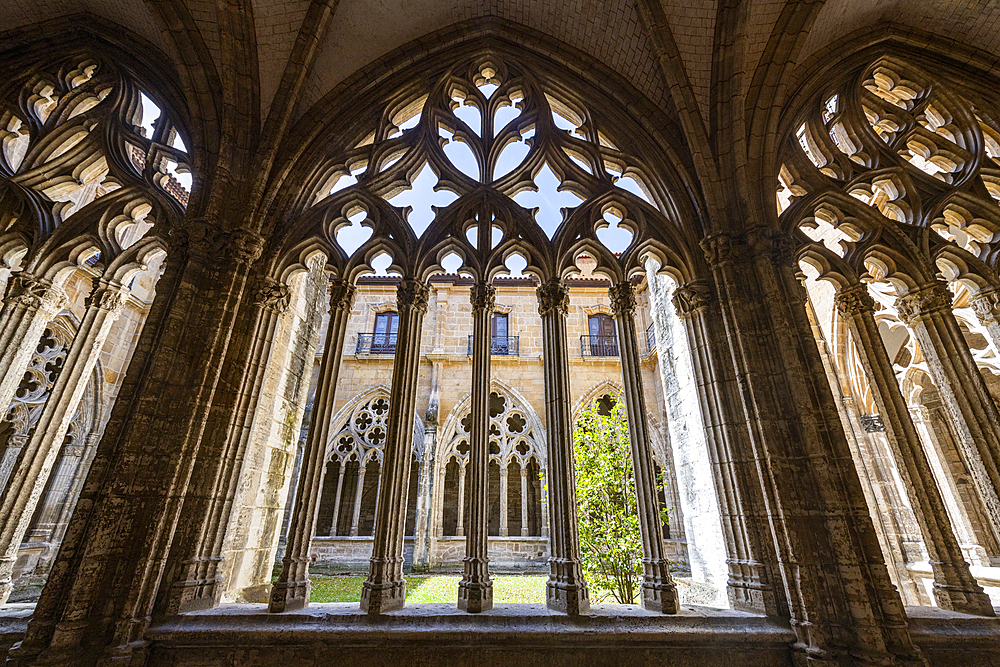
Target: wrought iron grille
x,y
650,339
503,346
376,344
599,346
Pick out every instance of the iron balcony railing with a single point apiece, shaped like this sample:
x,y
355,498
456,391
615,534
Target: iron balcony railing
x,y
376,344
503,346
650,339
599,346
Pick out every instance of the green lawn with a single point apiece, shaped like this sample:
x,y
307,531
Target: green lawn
x,y
433,588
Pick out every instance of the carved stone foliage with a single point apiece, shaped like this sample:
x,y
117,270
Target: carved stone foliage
x,y
986,305
341,294
413,294
622,299
35,387
922,302
35,293
853,300
272,294
483,296
691,297
553,295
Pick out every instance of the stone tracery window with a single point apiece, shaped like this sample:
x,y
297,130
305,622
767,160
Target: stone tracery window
x,y
82,131
353,473
32,393
489,126
888,182
515,467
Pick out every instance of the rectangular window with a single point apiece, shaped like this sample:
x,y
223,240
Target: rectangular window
x,y
384,336
499,342
603,342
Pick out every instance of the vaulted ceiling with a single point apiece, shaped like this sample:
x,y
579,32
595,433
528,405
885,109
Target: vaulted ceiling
x,y
612,31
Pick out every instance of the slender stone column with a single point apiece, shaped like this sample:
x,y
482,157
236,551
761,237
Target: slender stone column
x,y
566,590
954,587
291,590
385,589
27,481
338,497
30,304
971,410
524,501
462,471
358,493
504,501
475,591
659,592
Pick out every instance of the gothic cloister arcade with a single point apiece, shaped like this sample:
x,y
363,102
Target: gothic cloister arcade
x,y
327,282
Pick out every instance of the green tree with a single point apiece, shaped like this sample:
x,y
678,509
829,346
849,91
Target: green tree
x,y
610,543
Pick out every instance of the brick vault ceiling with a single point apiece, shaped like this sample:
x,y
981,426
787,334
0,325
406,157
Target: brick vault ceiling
x,y
609,30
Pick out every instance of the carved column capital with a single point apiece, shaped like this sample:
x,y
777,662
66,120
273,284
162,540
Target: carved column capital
x,y
986,304
927,300
342,293
272,294
199,238
552,295
692,297
622,299
245,246
412,293
854,300
483,296
771,244
719,249
107,296
34,293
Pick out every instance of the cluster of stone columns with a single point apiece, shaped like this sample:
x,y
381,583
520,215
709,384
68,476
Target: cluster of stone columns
x,y
384,590
954,587
291,590
27,310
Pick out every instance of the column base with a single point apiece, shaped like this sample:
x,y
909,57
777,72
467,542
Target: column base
x,y
973,602
289,596
383,598
566,590
661,597
475,597
569,599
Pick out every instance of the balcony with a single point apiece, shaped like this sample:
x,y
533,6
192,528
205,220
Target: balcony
x,y
501,346
599,346
376,344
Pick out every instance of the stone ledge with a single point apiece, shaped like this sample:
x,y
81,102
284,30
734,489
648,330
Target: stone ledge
x,y
439,634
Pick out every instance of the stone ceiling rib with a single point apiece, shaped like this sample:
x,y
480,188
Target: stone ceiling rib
x,y
761,19
692,25
277,24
